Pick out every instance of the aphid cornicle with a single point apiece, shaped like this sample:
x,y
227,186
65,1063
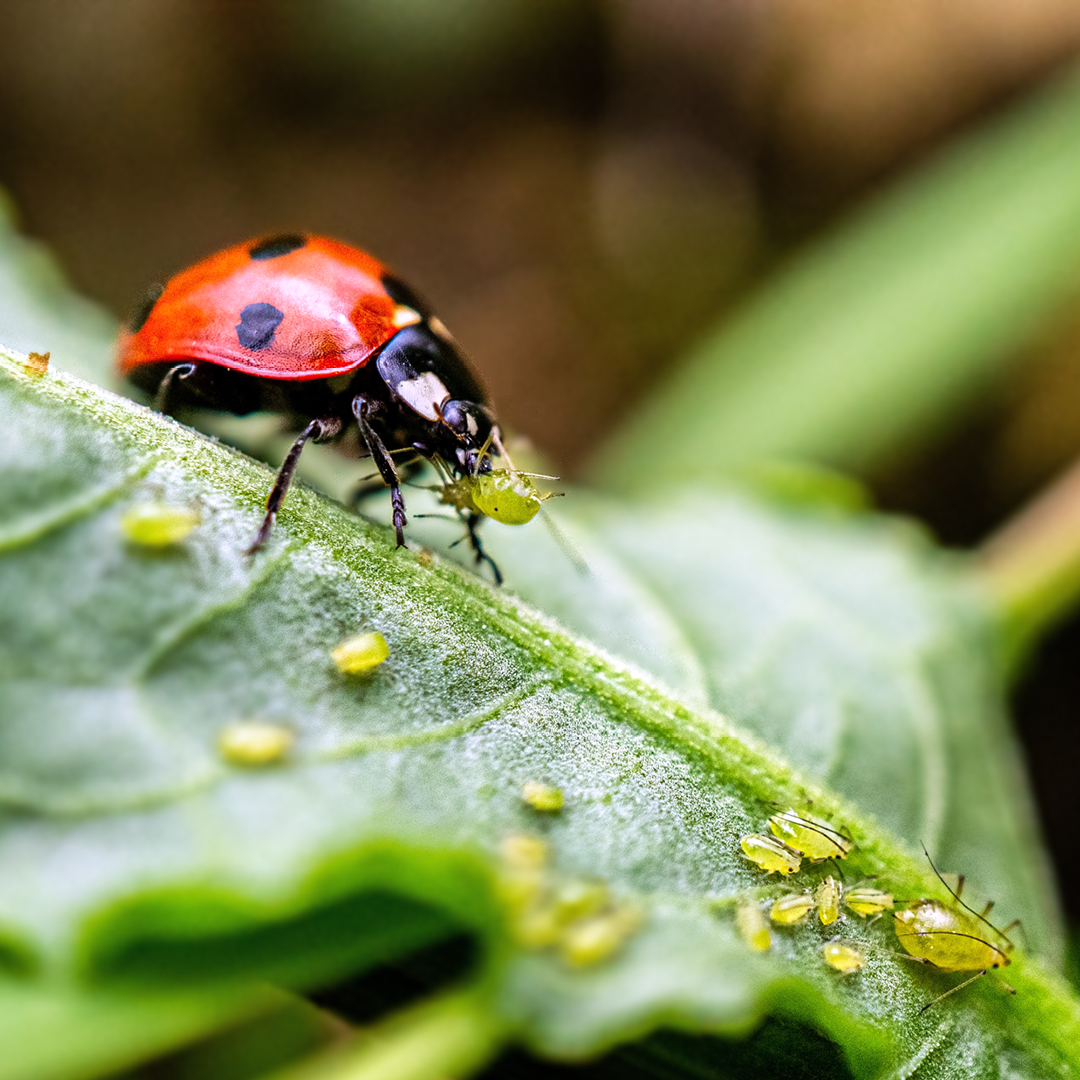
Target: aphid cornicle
x,y
952,939
815,840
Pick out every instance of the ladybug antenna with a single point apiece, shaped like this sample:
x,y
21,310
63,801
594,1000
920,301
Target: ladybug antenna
x,y
566,545
484,450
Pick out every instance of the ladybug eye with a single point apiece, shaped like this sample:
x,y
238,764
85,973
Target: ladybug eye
x,y
460,417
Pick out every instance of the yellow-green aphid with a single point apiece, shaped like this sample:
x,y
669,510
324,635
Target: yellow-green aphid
x,y
254,743
360,654
576,899
865,901
952,938
817,840
593,940
788,910
770,854
542,797
524,852
753,926
509,497
158,525
844,958
827,898
522,874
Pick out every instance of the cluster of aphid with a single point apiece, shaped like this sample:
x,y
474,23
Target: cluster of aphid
x,y
949,938
796,837
580,920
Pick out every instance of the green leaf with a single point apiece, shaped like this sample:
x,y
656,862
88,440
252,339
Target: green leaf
x,y
847,642
60,1031
131,850
874,336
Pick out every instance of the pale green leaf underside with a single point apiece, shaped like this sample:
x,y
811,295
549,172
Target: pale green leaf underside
x,y
121,826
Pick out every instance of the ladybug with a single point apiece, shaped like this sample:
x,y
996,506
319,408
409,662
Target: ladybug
x,y
324,334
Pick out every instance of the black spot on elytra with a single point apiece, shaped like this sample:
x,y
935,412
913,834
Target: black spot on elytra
x,y
400,293
257,325
274,246
146,305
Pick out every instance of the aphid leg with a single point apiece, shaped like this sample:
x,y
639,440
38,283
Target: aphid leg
x,y
959,986
986,910
177,371
471,522
362,409
959,890
372,483
317,430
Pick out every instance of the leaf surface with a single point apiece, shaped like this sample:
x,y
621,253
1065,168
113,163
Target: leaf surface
x,y
128,846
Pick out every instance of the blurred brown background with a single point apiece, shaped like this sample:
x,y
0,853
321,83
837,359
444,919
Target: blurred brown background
x,y
581,187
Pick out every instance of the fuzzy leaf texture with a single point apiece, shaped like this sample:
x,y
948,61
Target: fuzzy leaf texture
x,y
135,860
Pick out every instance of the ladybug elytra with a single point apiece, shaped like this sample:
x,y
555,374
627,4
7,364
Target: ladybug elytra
x,y
324,334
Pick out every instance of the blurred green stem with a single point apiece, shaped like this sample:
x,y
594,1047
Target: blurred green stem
x,y
448,1036
1032,564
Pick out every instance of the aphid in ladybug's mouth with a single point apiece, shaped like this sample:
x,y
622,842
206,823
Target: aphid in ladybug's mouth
x,y
324,334
508,496
952,939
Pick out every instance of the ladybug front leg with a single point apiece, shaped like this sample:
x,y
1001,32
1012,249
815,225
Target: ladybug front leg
x,y
177,371
317,430
363,408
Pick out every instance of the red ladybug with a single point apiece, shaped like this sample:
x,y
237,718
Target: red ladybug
x,y
324,334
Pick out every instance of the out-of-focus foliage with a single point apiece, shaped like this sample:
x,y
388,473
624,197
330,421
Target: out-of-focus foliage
x,y
387,824
876,334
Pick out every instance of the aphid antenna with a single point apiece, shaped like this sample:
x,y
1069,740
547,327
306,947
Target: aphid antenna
x,y
566,545
441,517
838,868
960,986
955,893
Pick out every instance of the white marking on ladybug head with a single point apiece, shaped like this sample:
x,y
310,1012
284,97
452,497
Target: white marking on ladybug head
x,y
425,394
471,424
404,316
439,327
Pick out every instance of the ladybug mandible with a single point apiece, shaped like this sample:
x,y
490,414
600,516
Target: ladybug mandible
x,y
324,334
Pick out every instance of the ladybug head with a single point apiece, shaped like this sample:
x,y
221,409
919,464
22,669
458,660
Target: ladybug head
x,y
475,433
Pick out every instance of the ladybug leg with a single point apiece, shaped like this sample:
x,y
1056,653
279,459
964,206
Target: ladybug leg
x,y
317,430
177,371
362,409
406,471
471,523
